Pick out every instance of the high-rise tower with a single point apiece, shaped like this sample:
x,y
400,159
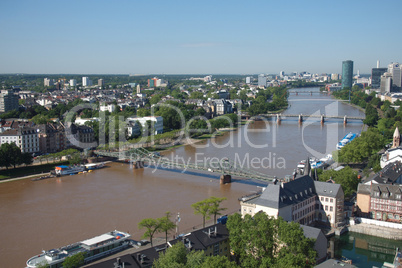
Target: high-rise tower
x,y
347,74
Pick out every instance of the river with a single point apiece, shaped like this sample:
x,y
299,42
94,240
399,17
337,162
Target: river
x,y
51,213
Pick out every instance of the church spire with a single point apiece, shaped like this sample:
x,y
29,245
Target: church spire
x,y
396,141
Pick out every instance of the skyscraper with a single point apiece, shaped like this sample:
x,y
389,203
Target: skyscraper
x,y
376,74
395,69
262,80
347,74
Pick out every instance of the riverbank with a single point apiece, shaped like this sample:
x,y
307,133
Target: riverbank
x,y
378,231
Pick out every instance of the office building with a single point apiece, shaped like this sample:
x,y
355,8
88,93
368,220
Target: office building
x,y
47,82
281,74
8,101
334,76
262,80
86,81
395,70
101,83
386,83
248,80
347,74
376,74
73,82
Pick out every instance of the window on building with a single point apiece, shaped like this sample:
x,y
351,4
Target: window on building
x,y
331,200
377,194
330,208
216,249
326,208
322,198
326,199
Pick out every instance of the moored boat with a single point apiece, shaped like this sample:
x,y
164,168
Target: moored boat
x,y
68,170
93,249
347,139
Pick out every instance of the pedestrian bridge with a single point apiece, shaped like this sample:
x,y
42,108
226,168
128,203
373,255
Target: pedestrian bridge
x,y
140,156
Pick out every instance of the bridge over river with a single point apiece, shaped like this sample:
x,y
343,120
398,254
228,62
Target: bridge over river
x,y
322,117
138,157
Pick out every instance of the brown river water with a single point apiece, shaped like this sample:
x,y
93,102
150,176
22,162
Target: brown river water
x,y
42,215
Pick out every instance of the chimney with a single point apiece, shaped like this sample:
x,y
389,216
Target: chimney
x,y
216,230
282,184
378,64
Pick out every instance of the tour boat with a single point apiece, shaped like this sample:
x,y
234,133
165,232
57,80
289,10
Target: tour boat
x,y
68,170
347,139
94,248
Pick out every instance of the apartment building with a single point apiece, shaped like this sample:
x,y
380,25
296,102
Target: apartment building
x,y
25,138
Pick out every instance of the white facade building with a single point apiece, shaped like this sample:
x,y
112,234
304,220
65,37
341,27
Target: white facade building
x,y
157,122
107,107
395,70
73,82
302,200
27,139
86,82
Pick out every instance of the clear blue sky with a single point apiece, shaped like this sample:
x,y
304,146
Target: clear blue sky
x,y
181,37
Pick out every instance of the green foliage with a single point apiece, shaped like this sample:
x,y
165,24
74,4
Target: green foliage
x,y
262,241
208,207
203,208
178,256
262,105
361,148
371,116
74,261
10,155
346,177
152,226
166,225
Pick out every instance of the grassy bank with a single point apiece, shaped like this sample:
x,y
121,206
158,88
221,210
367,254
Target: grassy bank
x,y
29,170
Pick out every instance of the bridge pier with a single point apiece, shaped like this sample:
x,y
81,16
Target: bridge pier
x,y
138,164
300,118
278,118
322,119
311,93
297,93
345,120
225,179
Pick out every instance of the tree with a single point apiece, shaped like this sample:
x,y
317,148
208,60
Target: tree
x,y
166,225
178,256
175,256
214,206
152,226
361,148
346,177
141,112
263,241
74,261
203,208
26,158
10,155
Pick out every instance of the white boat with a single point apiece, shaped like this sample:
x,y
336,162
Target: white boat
x,y
347,139
93,249
94,166
68,170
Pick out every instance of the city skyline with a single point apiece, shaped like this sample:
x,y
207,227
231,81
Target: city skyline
x,y
158,37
